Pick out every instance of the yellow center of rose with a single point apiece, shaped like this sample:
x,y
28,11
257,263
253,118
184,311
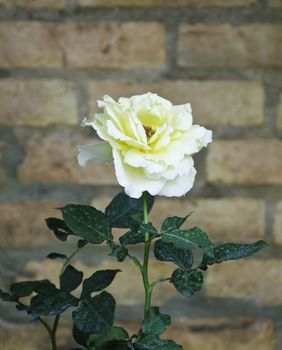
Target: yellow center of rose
x,y
149,131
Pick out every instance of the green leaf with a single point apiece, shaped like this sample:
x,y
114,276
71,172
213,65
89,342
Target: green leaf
x,y
173,223
232,251
51,305
70,279
116,345
155,323
60,229
25,288
122,208
153,342
137,234
96,314
4,296
56,256
187,282
118,251
80,337
104,339
168,252
186,239
98,281
87,223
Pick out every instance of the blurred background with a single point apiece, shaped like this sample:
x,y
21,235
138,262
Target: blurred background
x,y
57,58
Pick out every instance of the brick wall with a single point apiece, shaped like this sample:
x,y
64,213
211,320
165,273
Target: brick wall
x,y
224,56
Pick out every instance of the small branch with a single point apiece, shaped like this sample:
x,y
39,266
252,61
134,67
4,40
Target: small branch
x,y
160,280
136,262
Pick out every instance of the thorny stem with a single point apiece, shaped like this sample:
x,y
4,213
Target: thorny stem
x,y
145,269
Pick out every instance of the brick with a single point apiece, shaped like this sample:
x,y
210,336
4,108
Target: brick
x,y
248,162
279,117
252,45
278,224
247,279
24,223
35,4
32,336
29,45
240,334
275,3
163,3
223,219
225,103
37,102
54,159
104,45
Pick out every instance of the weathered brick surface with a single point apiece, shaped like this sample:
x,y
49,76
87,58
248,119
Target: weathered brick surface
x,y
275,3
2,176
279,116
104,45
250,280
223,103
249,335
24,223
278,224
32,336
37,102
54,159
28,45
252,45
35,4
163,3
252,162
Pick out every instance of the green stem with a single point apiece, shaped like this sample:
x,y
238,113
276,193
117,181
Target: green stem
x,y
145,273
68,259
51,332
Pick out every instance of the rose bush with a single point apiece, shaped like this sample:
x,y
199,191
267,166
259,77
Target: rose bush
x,y
150,142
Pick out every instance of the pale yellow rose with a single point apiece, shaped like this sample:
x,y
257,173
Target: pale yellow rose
x,y
150,142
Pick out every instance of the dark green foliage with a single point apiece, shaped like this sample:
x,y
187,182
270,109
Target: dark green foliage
x,y
25,288
119,251
60,229
56,256
4,296
104,340
232,251
168,252
97,282
153,342
95,314
123,208
137,234
173,223
186,239
187,282
70,279
87,223
55,304
155,323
